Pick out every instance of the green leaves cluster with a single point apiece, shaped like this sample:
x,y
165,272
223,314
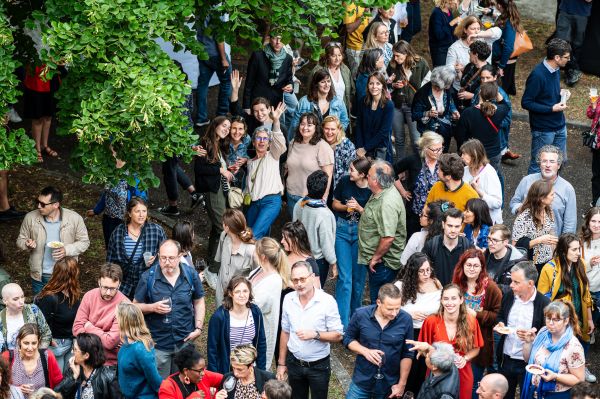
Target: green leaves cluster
x,y
121,91
15,147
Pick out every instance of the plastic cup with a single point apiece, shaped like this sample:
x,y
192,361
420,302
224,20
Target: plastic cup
x,y
147,256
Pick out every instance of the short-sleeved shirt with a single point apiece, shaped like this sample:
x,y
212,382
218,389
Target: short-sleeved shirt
x,y
347,189
571,357
459,197
354,40
384,216
167,336
304,159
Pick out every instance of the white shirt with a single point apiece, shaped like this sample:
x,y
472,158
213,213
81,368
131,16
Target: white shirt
x,y
320,314
593,272
339,86
415,243
519,316
489,183
428,303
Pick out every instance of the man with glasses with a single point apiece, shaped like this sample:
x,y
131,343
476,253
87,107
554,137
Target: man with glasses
x,y
501,256
377,334
172,299
522,309
564,205
543,99
97,311
49,234
310,321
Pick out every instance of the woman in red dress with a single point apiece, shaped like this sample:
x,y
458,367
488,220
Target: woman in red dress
x,y
452,324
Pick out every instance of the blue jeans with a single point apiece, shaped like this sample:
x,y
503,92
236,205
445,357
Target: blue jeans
x,y
291,202
477,376
413,14
350,285
62,352
207,68
382,275
354,392
323,271
291,103
262,214
37,286
557,138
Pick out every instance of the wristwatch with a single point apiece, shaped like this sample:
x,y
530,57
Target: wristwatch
x,y
318,336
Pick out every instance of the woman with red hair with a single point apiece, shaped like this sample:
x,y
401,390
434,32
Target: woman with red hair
x,y
482,298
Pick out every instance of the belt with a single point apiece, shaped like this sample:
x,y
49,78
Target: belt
x,y
304,363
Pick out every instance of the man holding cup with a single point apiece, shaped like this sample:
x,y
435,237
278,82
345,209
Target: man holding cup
x,y
49,234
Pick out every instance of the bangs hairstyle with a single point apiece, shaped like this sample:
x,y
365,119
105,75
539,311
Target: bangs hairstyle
x,y
464,334
341,135
460,29
233,283
428,139
460,278
476,151
132,325
404,47
481,212
313,119
213,144
65,279
313,90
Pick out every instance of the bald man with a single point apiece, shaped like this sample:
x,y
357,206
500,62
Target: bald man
x,y
493,386
17,313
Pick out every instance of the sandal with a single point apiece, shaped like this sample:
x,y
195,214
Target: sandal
x,y
40,158
50,151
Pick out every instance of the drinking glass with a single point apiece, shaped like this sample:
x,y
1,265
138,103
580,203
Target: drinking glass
x,y
168,302
379,375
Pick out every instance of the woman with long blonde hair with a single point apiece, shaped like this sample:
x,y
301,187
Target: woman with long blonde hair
x,y
378,37
138,375
268,281
454,325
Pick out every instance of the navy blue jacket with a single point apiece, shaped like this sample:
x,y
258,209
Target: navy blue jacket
x,y
218,340
542,92
441,34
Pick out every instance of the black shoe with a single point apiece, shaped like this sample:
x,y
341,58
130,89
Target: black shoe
x,y
169,210
573,77
11,214
197,199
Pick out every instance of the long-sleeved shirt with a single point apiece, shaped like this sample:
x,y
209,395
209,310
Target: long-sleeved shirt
x,y
103,323
138,375
564,205
320,227
542,92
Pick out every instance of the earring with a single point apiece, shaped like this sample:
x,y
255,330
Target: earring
x,y
186,379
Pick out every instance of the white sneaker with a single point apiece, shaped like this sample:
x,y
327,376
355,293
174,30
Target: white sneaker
x,y
589,377
13,116
211,279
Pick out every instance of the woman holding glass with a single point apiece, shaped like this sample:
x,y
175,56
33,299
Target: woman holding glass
x,y
344,151
245,380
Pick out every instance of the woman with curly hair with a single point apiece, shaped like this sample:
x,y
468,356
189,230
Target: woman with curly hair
x,y
59,302
482,299
7,390
421,293
453,324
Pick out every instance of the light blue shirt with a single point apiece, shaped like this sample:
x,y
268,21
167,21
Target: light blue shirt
x,y
52,234
549,68
564,205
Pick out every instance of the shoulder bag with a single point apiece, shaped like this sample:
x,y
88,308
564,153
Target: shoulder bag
x,y
522,45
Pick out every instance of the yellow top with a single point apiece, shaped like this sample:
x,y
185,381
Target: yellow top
x,y
354,40
460,196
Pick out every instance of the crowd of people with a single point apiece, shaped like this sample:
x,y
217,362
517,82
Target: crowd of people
x,y
459,305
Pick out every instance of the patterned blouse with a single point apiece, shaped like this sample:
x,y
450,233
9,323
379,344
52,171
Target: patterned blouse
x,y
525,227
571,357
425,180
246,391
344,154
20,376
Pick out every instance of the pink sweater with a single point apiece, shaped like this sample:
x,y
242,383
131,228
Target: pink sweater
x,y
103,321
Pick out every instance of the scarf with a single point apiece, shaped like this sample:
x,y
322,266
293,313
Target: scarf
x,y
312,203
544,340
276,59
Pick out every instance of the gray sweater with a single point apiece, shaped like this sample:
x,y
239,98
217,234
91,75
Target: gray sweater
x,y
320,227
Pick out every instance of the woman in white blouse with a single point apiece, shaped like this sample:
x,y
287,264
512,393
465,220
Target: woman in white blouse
x,y
235,251
268,281
482,176
590,252
421,294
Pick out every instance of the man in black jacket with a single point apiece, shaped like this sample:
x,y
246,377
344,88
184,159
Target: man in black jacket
x,y
521,309
442,382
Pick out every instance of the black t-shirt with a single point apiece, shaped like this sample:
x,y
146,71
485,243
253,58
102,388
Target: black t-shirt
x,y
473,124
494,266
59,315
411,164
444,261
347,189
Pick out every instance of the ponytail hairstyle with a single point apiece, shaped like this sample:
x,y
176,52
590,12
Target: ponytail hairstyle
x,y
487,94
509,13
235,221
272,251
563,309
464,334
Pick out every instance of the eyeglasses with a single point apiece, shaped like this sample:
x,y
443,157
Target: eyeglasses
x,y
261,139
198,370
301,280
472,266
549,161
169,259
43,204
551,320
436,150
109,289
424,272
493,240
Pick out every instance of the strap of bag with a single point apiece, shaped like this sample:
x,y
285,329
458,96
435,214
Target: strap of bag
x,y
492,123
137,244
253,177
549,293
44,361
476,74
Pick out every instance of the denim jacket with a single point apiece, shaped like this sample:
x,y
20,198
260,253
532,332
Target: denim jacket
x,y
336,108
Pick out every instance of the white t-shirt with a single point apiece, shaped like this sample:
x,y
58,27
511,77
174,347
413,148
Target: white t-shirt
x,y
13,325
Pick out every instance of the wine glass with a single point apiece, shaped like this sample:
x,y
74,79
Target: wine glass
x,y
379,375
167,300
408,395
229,383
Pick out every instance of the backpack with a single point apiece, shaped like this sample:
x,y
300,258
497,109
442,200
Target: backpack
x,y
187,273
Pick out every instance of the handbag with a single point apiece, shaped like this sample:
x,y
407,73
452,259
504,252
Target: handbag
x,y
235,197
248,195
590,137
522,45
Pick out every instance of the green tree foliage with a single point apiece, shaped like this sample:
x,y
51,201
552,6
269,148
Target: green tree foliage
x,y
15,147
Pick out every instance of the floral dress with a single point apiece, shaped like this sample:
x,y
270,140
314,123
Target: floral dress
x,y
571,357
525,227
344,154
425,180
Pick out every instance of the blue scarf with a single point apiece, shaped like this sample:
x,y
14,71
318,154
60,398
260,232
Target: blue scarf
x,y
544,340
313,203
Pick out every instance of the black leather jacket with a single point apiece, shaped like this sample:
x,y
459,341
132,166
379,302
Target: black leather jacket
x,y
102,382
443,386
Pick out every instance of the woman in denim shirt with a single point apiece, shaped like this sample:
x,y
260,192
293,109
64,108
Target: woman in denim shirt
x,y
239,144
320,100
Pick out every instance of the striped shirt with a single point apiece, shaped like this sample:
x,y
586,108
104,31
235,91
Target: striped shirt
x,y
129,246
241,331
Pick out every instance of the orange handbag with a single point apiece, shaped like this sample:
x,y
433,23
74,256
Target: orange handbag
x,y
522,44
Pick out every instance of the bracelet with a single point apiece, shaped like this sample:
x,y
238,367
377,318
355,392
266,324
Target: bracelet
x,y
198,328
281,365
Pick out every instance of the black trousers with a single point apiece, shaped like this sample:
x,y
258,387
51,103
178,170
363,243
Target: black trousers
x,y
305,377
173,174
595,176
513,370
